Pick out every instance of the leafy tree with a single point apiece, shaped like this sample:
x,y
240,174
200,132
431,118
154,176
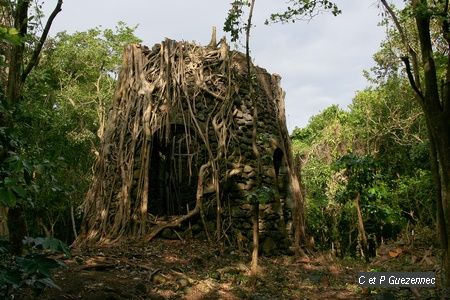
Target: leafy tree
x,y
392,134
365,185
390,129
325,126
327,137
425,66
304,10
51,116
17,12
62,117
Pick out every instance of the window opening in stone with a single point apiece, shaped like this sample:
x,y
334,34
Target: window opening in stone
x,y
277,159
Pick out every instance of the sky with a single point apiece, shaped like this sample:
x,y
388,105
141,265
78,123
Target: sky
x,y
320,61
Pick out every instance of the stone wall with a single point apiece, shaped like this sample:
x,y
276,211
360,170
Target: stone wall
x,y
178,142
275,214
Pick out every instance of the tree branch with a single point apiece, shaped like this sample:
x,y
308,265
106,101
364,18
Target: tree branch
x,y
415,63
405,60
247,39
34,58
433,101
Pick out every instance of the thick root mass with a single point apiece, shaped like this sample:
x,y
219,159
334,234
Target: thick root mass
x,y
176,134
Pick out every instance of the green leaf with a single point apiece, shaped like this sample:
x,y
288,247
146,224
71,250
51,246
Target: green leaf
x,y
11,277
8,181
37,264
20,191
10,35
52,244
13,31
26,166
7,197
48,282
29,266
4,248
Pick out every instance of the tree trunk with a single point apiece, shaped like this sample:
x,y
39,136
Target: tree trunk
x,y
443,204
17,228
14,86
16,219
3,221
361,230
17,75
437,115
301,209
255,215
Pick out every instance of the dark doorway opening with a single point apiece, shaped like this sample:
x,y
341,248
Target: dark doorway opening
x,y
173,171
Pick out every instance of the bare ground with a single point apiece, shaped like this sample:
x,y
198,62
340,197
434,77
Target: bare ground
x,y
176,269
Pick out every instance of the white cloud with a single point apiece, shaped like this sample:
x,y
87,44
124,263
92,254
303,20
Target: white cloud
x,y
320,61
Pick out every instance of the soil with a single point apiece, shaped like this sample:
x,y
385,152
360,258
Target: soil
x,y
180,269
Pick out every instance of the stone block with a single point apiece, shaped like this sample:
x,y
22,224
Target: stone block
x,y
248,117
240,122
248,169
236,212
234,172
246,206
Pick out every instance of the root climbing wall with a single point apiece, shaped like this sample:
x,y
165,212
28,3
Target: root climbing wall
x,y
179,144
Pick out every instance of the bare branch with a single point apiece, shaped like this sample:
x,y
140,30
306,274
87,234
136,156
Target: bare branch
x,y
34,58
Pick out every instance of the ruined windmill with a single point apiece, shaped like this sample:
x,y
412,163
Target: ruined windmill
x,y
180,144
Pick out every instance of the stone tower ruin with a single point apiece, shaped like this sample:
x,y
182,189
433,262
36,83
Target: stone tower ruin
x,y
188,137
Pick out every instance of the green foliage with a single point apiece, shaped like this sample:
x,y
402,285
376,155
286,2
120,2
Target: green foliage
x,y
59,121
51,245
318,123
233,23
304,10
378,149
326,137
37,265
300,9
261,195
10,35
381,216
415,196
33,270
15,179
360,173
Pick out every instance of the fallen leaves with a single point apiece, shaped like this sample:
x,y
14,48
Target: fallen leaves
x,y
191,270
395,252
